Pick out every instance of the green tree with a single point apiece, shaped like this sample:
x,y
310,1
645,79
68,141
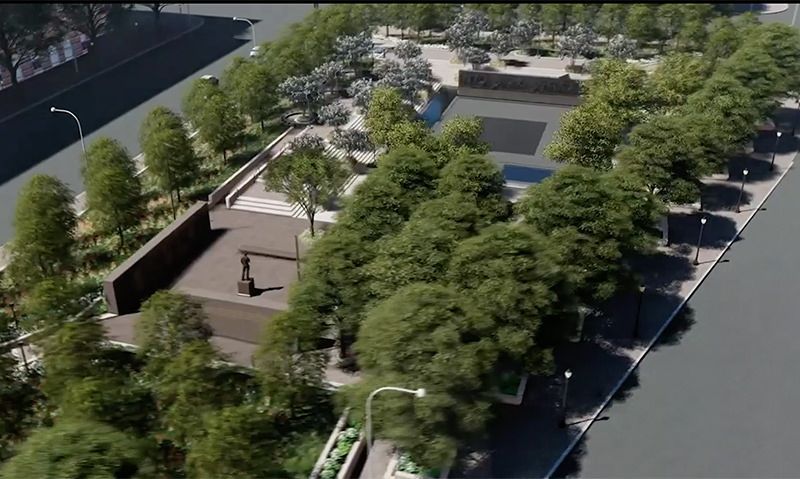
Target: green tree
x,y
410,133
421,251
413,170
169,322
253,87
26,29
377,207
194,101
660,152
237,442
780,42
18,399
51,302
291,369
515,280
723,39
113,191
308,178
187,388
678,76
464,132
220,125
611,19
588,136
596,220
168,151
759,73
386,109
79,448
44,230
733,109
624,88
670,19
69,353
443,351
478,177
555,18
641,23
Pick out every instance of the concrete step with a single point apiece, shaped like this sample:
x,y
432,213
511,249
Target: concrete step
x,y
264,203
259,209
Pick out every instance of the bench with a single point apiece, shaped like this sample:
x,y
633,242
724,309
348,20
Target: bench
x,y
269,252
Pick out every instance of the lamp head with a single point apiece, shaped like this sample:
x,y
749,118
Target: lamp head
x,y
780,133
236,18
568,373
52,109
703,220
641,288
420,393
746,172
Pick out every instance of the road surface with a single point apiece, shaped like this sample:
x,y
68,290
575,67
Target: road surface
x,y
114,104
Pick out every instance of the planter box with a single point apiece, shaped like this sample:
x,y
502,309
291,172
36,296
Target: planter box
x,y
515,399
353,459
395,473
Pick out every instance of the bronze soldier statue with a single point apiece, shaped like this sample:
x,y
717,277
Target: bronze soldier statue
x,y
245,267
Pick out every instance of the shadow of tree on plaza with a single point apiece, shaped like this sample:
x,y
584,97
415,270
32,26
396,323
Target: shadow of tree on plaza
x,y
684,229
756,166
723,196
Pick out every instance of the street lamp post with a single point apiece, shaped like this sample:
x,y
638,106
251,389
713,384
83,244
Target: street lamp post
x,y
741,191
252,28
699,241
774,150
80,130
562,420
642,289
420,393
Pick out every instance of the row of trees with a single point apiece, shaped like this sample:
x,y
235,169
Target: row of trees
x,y
684,121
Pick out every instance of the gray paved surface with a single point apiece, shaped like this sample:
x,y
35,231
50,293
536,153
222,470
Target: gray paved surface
x,y
111,111
721,402
513,110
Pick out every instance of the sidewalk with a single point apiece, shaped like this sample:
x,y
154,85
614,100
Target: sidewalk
x,y
525,440
134,36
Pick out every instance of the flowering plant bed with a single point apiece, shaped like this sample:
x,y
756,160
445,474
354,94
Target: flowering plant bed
x,y
338,455
511,388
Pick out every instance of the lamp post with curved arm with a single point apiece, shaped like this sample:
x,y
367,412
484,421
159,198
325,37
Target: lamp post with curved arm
x,y
80,130
252,28
420,393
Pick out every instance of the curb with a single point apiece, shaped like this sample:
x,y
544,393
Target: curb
x,y
106,70
588,423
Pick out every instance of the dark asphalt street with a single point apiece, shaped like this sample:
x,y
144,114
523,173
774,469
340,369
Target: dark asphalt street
x,y
115,103
719,402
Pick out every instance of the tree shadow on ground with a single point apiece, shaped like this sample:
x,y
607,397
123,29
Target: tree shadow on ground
x,y
757,168
684,230
785,119
672,335
724,196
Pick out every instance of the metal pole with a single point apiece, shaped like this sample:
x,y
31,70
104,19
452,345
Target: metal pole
x,y
22,345
252,28
774,151
699,240
794,15
562,421
741,192
638,312
297,255
416,392
80,130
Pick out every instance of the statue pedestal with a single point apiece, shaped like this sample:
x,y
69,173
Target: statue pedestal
x,y
247,287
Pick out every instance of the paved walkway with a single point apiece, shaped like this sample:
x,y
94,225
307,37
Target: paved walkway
x,y
526,441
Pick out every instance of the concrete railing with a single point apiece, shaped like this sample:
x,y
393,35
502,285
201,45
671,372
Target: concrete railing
x,y
248,173
233,182
340,425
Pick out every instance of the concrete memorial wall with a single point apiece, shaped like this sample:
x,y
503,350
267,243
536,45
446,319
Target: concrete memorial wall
x,y
156,264
507,86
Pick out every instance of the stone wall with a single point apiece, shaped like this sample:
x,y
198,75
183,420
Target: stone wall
x,y
506,86
156,264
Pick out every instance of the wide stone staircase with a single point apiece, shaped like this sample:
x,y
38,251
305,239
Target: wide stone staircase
x,y
256,199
